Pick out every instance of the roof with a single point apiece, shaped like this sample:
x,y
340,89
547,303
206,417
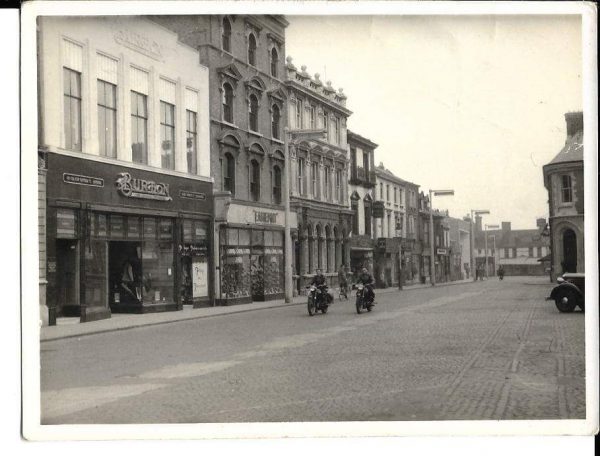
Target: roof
x,y
572,151
513,238
361,139
382,171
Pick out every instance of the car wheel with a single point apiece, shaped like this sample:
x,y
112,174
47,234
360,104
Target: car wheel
x,y
566,301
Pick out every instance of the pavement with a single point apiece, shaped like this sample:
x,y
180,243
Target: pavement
x,y
71,327
481,351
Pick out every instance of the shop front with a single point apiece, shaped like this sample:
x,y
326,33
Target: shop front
x,y
122,239
251,255
387,262
361,254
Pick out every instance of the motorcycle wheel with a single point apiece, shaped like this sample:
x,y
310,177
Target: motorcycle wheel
x,y
569,305
358,305
312,307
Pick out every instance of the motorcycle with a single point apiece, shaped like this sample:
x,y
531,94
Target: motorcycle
x,y
318,299
362,302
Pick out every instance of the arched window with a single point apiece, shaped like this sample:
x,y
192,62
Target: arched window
x,y
226,37
253,113
254,180
227,103
252,50
274,62
229,174
276,184
275,116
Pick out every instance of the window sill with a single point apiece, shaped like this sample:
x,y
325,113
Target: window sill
x,y
255,133
278,141
227,124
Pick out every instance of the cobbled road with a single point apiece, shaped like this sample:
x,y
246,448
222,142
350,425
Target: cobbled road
x,y
485,351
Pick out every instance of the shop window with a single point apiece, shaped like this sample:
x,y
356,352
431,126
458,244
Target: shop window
x,y
252,49
229,174
253,113
66,224
274,62
133,228
157,267
254,180
277,184
566,189
167,135
227,103
194,261
226,35
72,108
275,117
117,226
191,142
139,128
107,118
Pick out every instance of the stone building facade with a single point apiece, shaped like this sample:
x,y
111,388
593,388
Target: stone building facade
x,y
125,147
362,196
563,178
248,113
319,176
441,247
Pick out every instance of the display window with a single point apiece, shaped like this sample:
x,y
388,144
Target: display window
x,y
194,261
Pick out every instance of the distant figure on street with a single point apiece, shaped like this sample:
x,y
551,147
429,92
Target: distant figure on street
x,y
343,280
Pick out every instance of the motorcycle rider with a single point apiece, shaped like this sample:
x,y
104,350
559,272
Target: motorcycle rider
x,y
367,280
501,272
320,281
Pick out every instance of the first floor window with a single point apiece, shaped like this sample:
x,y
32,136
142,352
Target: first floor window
x,y
191,142
301,172
275,116
228,173
72,108
167,135
254,180
227,102
566,189
368,218
253,113
139,128
338,185
314,179
354,207
107,119
326,183
277,184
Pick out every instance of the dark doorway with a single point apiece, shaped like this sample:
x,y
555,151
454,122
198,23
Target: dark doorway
x,y
125,272
569,262
67,278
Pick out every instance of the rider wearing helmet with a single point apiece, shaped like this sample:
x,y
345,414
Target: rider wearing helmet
x,y
367,280
320,281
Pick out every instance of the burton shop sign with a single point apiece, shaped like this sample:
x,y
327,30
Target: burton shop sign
x,y
141,188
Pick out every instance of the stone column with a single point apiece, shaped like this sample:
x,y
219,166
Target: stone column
x,y
338,253
303,254
331,254
322,252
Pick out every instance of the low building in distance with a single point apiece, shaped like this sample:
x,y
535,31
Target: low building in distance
x,y
563,178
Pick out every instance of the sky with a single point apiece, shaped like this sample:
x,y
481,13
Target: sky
x,y
470,103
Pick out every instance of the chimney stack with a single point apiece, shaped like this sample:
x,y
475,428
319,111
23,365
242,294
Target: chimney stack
x,y
540,223
574,123
505,227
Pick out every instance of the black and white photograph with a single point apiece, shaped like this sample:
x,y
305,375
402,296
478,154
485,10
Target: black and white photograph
x,y
359,220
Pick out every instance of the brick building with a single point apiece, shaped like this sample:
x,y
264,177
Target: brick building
x,y
248,113
563,178
319,182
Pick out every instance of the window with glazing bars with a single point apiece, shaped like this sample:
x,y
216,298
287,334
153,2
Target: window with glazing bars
x,y
72,108
139,128
191,142
107,119
167,135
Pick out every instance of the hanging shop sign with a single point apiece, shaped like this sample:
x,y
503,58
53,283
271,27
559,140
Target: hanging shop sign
x,y
378,209
442,251
78,179
142,188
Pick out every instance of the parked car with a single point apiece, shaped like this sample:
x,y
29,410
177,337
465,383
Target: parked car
x,y
569,292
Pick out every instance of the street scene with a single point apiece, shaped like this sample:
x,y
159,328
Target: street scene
x,y
492,350
227,236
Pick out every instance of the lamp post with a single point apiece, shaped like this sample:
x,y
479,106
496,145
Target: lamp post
x,y
473,262
494,227
431,237
289,136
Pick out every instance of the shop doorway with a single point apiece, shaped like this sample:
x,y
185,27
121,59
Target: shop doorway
x,y
67,278
257,277
125,274
569,263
